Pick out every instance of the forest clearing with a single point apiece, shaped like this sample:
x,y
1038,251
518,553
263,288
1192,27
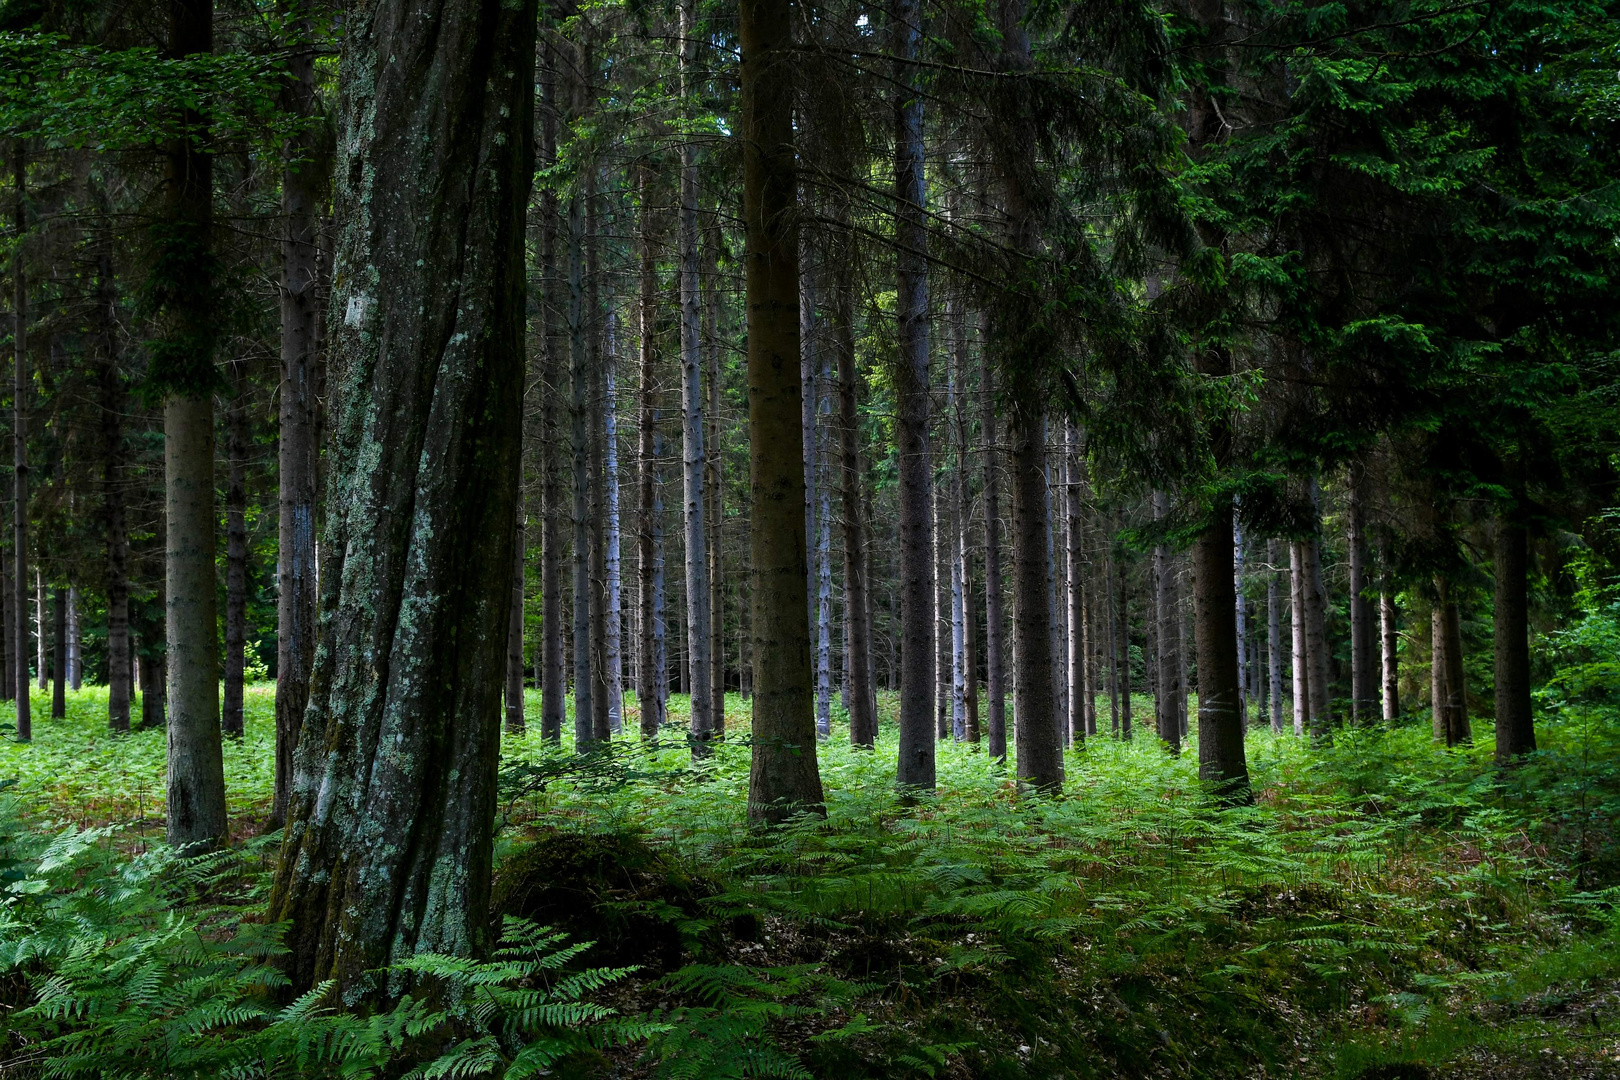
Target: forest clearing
x,y
809,538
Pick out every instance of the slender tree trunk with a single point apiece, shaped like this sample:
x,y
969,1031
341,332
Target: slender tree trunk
x,y
9,602
303,281
514,633
114,532
823,553
1076,593
601,720
153,680
19,446
964,556
649,693
553,681
942,605
1113,650
1387,632
1125,672
59,655
1274,640
1167,717
950,542
1244,689
1057,586
235,553
693,458
1458,727
1439,690
613,623
713,478
41,666
915,768
1039,742
995,695
1363,708
1296,615
1515,728
580,420
75,642
857,603
389,839
783,778
1316,649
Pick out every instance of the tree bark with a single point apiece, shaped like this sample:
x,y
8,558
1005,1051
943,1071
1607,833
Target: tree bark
x,y
915,768
601,708
1458,727
964,551
713,479
1391,660
783,777
235,553
59,655
995,695
1167,716
943,552
1075,597
613,628
1515,728
514,634
1296,620
1439,689
1039,744
1316,649
19,447
857,603
75,642
1125,672
1274,651
1363,707
114,535
303,284
389,838
580,419
649,538
1244,688
1221,760
553,680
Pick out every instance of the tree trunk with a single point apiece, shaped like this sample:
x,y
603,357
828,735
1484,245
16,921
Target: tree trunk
x,y
649,691
1244,689
389,838
1439,690
1316,649
995,695
514,634
964,556
153,678
1387,632
303,284
823,554
1113,650
1167,716
184,359
601,708
553,681
1220,723
114,531
1039,744
580,408
942,607
1363,708
693,458
59,656
235,553
857,603
951,542
1274,688
1515,729
783,778
915,768
42,667
1458,728
1125,672
1296,618
1075,597
713,478
613,623
19,448
75,642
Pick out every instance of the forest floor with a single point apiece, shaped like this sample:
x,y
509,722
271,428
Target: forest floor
x,y
1385,910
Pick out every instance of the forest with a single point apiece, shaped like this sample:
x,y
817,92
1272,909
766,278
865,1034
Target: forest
x,y
686,540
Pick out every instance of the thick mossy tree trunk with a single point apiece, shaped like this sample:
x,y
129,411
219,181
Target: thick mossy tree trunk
x,y
304,180
915,768
1515,729
388,843
183,367
783,779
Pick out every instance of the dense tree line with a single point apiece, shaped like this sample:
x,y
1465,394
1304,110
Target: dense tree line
x,y
1037,363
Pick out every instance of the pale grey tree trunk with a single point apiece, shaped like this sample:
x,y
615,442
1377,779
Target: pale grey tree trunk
x,y
823,549
943,551
995,698
950,541
579,445
1244,689
714,477
75,642
1389,640
1074,600
964,550
649,517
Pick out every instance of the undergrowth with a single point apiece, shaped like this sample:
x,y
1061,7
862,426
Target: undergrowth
x,y
1384,903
